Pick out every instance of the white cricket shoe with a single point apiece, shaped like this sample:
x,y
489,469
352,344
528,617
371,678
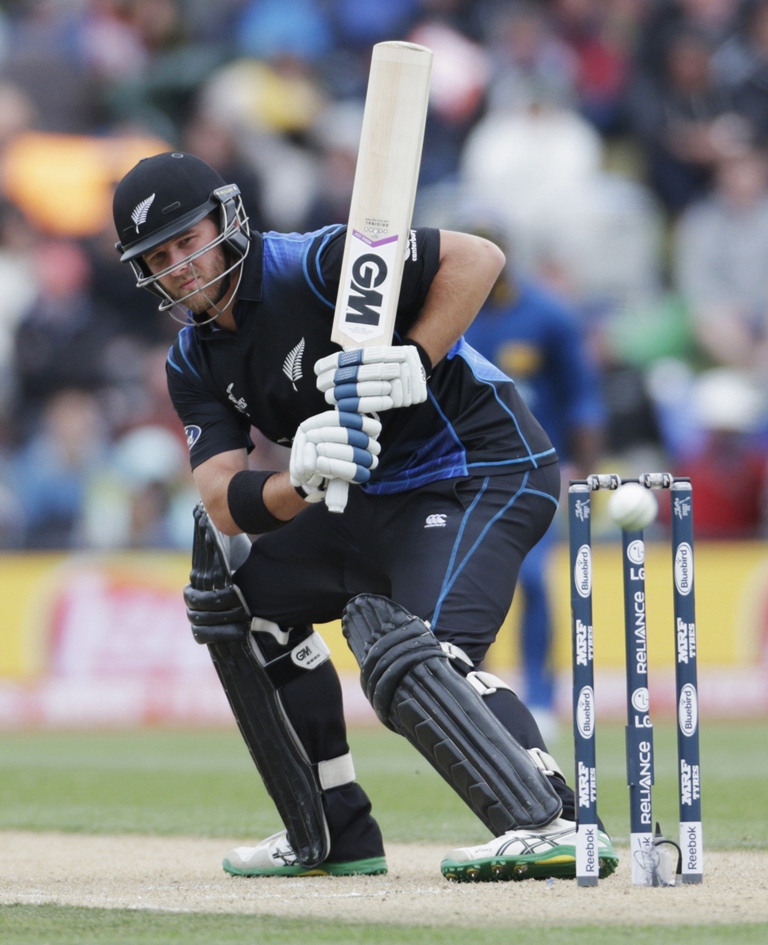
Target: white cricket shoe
x,y
276,857
526,854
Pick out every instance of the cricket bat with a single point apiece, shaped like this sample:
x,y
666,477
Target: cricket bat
x,y
381,208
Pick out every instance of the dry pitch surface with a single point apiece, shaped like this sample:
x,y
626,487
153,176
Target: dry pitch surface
x,y
184,875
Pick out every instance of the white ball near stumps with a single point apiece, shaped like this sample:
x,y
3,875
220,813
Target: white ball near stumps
x,y
632,506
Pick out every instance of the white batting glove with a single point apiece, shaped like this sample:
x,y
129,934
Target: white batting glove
x,y
369,380
333,445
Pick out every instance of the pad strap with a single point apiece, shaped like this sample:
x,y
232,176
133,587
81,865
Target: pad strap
x,y
546,763
336,771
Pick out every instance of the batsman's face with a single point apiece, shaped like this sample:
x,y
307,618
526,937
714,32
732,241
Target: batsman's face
x,y
195,282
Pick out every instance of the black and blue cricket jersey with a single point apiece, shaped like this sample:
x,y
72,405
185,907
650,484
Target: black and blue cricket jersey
x,y
223,383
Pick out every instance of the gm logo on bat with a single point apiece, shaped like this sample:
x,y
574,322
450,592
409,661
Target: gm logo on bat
x,y
371,268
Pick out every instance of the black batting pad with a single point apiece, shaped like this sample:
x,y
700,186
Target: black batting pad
x,y
415,691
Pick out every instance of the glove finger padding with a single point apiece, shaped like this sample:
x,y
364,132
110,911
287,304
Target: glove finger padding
x,y
370,397
348,421
364,405
333,445
380,354
360,374
344,435
359,388
364,380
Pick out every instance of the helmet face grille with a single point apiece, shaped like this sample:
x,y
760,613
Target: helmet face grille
x,y
161,197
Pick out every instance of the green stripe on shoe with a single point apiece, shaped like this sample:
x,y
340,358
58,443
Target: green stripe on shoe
x,y
375,866
559,863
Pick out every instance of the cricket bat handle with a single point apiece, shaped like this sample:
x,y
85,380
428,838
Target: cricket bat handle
x,y
336,495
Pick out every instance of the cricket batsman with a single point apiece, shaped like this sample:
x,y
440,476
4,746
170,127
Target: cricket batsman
x,y
451,482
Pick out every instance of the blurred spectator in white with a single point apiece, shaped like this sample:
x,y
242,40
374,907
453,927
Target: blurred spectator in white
x,y
536,160
721,263
143,495
52,474
540,163
593,234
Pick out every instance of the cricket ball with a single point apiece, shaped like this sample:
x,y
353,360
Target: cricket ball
x,y
632,506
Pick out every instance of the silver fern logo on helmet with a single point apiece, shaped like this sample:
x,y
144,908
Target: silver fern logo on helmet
x,y
140,211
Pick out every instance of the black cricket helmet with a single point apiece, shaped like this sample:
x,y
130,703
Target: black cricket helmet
x,y
161,198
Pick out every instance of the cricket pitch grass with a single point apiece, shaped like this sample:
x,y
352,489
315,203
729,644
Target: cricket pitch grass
x,y
119,837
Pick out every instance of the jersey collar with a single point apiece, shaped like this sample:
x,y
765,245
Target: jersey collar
x,y
251,284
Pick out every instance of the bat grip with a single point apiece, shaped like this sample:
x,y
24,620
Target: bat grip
x,y
336,495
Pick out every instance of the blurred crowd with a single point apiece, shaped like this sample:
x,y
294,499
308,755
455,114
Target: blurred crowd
x,y
619,148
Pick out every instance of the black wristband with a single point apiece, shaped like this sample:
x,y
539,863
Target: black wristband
x,y
426,361
245,498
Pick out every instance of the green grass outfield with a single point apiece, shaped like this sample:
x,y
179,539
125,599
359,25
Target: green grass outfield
x,y
203,784
24,925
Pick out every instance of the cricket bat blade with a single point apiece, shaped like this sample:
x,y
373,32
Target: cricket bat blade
x,y
381,208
